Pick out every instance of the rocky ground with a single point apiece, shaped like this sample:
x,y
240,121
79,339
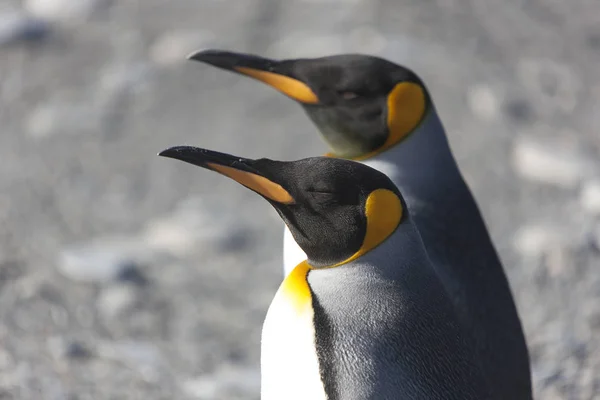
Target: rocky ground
x,y
128,276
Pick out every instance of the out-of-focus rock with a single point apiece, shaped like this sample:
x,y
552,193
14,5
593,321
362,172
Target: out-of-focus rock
x,y
143,357
55,118
590,197
194,223
552,83
483,101
535,240
63,10
548,163
63,348
19,27
102,260
226,381
116,299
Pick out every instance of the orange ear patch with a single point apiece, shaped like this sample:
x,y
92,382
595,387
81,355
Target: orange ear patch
x,y
290,87
406,107
259,184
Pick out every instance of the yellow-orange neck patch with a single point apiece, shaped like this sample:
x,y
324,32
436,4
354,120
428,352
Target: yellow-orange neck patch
x,y
291,87
259,184
295,288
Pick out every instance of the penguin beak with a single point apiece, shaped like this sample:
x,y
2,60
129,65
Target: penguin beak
x,y
259,68
237,168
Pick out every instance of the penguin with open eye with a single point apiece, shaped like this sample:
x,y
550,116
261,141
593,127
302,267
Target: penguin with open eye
x,y
365,316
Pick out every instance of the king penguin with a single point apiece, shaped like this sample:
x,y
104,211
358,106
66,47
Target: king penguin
x,y
374,111
365,316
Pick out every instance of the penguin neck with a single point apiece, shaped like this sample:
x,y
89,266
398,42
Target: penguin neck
x,y
423,153
404,243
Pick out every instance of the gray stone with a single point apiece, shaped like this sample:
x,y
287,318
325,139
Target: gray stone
x,y
590,197
226,381
18,27
102,260
63,348
58,117
483,101
120,79
519,110
596,237
553,83
535,240
116,299
62,10
144,357
195,222
549,163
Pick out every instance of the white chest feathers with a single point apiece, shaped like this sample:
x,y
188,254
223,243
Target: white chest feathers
x,y
292,253
289,361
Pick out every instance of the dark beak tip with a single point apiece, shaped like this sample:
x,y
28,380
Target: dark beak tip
x,y
172,152
196,55
210,56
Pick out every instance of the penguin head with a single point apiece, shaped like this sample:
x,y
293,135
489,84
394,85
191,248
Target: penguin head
x,y
361,104
336,209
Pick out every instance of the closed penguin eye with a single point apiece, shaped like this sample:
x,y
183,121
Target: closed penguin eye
x,y
320,192
330,197
348,95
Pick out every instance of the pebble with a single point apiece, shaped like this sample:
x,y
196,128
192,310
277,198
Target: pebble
x,y
116,299
173,47
18,27
226,381
62,348
590,197
132,274
62,10
535,240
519,110
7,361
101,260
54,118
483,101
553,83
596,237
129,78
547,163
144,357
193,222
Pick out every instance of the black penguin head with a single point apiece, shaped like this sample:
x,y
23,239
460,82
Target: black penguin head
x,y
361,104
336,209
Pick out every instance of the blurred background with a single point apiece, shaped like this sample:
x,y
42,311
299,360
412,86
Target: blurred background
x,y
128,276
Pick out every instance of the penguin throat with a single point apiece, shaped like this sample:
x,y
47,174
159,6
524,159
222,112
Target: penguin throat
x,y
388,145
383,211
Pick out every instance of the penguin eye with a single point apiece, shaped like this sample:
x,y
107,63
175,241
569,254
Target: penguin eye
x,y
320,192
347,95
323,198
